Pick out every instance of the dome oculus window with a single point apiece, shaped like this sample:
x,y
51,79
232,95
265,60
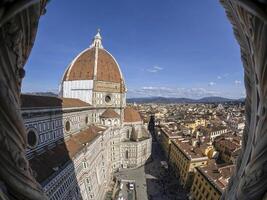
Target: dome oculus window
x,y
67,126
32,138
107,98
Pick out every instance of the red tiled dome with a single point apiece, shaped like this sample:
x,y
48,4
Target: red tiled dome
x,y
82,67
131,115
110,113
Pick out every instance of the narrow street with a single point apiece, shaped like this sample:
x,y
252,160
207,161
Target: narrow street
x,y
153,181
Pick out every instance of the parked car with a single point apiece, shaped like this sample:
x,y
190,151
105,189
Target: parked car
x,y
131,186
121,186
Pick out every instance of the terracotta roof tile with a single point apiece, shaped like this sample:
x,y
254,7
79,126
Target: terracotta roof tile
x,y
217,176
131,115
34,101
83,67
110,113
45,164
107,69
70,102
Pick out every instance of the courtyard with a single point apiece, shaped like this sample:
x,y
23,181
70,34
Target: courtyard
x,y
153,181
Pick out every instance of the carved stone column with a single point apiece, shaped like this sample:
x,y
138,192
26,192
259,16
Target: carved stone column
x,y
249,20
18,25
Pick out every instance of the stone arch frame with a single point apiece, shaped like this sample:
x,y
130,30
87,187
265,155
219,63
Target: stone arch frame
x,y
249,20
18,26
18,32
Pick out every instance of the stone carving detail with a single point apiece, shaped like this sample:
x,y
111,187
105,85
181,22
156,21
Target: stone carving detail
x,y
18,25
249,20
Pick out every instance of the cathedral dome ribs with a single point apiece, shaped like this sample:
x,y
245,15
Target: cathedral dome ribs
x,y
82,67
94,60
93,72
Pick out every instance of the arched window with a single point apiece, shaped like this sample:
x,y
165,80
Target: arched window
x,y
109,122
116,122
126,154
86,120
128,134
67,126
32,138
144,151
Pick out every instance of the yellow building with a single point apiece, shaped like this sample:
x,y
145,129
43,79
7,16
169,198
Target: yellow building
x,y
228,149
193,124
200,122
166,136
185,155
210,181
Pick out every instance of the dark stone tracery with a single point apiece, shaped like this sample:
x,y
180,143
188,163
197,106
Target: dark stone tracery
x,y
18,25
249,20
17,33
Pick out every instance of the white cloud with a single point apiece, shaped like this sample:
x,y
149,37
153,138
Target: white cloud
x,y
154,69
158,68
212,83
156,88
222,76
237,82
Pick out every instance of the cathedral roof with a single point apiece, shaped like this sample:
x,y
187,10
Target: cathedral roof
x,y
139,133
35,101
94,63
131,115
47,163
110,113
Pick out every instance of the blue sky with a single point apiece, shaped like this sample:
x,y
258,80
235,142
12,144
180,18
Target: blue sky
x,y
165,48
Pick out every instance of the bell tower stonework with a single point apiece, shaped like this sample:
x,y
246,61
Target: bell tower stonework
x,y
105,87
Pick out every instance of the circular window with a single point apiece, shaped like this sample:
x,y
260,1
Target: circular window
x,y
108,99
32,138
67,126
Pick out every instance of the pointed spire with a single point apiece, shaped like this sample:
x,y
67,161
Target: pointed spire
x,y
97,41
98,36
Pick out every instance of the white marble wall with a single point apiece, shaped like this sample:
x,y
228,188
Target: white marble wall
x,y
79,89
87,176
50,127
90,171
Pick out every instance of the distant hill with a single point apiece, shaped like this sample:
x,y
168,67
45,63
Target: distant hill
x,y
163,100
182,100
215,100
50,94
